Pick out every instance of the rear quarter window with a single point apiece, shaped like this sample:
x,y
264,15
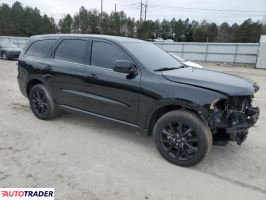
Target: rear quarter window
x,y
40,48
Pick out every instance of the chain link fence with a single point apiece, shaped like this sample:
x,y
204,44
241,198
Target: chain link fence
x,y
239,53
18,41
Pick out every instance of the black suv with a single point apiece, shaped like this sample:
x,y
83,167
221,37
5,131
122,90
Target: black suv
x,y
136,83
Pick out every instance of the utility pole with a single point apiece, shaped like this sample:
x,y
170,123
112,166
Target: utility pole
x,y
140,17
146,5
101,9
115,8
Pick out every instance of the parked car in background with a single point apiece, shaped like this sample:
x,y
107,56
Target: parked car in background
x,y
9,51
138,84
185,62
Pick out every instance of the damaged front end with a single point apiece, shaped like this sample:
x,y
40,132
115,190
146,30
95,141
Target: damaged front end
x,y
231,118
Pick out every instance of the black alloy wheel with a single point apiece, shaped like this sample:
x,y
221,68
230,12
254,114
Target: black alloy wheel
x,y
42,104
182,138
179,140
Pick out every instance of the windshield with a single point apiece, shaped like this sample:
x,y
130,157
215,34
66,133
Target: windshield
x,y
151,56
8,45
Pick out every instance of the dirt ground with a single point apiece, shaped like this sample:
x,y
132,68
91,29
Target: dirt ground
x,y
88,158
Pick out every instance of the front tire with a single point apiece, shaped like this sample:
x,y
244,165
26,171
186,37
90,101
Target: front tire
x,y
42,104
182,138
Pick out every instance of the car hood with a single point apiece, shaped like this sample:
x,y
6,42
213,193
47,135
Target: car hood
x,y
225,83
12,49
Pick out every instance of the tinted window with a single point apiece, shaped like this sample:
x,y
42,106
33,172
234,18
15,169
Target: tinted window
x,y
71,50
151,56
40,48
104,55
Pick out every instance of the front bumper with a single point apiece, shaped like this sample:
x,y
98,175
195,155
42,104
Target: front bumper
x,y
238,130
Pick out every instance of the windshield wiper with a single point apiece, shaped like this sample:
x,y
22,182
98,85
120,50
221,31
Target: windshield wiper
x,y
168,68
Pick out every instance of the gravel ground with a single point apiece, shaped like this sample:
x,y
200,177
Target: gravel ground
x,y
88,158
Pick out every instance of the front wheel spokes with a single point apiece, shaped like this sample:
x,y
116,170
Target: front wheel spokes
x,y
185,152
171,147
178,152
171,128
165,132
166,141
189,130
194,149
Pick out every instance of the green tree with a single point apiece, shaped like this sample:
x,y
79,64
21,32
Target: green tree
x,y
166,31
248,31
65,24
212,32
26,21
6,28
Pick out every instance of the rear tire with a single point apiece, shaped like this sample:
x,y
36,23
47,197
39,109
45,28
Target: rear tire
x,y
182,138
42,104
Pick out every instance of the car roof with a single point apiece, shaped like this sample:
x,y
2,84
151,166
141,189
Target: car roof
x,y
93,36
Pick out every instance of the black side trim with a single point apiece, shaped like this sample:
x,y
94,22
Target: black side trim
x,y
92,96
76,110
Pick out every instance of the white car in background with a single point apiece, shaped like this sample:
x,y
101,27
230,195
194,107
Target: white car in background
x,y
185,62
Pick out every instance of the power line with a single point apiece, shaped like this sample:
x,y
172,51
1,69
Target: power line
x,y
212,10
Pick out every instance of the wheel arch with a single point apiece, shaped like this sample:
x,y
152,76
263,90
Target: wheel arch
x,y
180,105
31,83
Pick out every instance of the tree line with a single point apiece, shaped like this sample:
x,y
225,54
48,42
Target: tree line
x,y
17,20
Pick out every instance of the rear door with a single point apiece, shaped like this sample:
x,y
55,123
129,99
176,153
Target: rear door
x,y
111,94
66,72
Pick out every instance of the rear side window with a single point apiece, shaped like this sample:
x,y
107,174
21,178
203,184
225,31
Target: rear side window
x,y
105,54
40,48
71,50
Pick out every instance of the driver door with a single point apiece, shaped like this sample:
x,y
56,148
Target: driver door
x,y
111,93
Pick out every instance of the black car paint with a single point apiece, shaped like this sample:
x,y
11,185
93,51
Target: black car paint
x,y
11,52
134,101
226,83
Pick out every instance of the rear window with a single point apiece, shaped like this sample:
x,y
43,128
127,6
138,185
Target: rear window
x,y
71,50
40,48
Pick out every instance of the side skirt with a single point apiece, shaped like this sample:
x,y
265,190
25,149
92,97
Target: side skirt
x,y
79,111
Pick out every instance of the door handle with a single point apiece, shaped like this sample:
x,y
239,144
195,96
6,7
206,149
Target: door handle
x,y
45,72
92,76
47,68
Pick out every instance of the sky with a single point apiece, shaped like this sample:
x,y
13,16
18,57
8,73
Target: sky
x,y
217,11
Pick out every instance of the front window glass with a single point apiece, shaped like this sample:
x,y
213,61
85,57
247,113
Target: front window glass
x,y
104,55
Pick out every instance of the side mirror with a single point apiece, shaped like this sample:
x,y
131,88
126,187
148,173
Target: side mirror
x,y
125,67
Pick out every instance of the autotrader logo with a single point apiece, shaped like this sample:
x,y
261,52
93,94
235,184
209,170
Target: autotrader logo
x,y
27,193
